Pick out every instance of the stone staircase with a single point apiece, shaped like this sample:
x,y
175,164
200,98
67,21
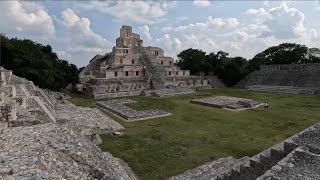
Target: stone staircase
x,y
266,164
258,165
153,70
215,82
282,89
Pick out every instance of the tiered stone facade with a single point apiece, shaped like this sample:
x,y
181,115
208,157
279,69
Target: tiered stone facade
x,y
130,67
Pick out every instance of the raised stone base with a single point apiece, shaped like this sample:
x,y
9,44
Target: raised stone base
x,y
228,103
117,107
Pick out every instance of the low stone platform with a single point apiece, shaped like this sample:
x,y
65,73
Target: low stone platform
x,y
228,103
118,107
168,92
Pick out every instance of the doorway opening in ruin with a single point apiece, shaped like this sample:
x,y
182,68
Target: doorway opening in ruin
x,y
127,73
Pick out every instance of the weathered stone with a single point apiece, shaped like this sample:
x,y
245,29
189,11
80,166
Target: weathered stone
x,y
131,68
117,107
34,146
229,103
285,78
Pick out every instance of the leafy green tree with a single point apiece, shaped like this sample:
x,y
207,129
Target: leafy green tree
x,y
191,59
37,63
286,53
230,70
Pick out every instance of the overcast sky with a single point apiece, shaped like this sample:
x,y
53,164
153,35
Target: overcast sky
x,y
77,31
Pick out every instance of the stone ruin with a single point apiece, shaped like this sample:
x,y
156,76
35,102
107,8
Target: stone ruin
x,y
43,136
296,158
130,69
117,107
286,78
228,103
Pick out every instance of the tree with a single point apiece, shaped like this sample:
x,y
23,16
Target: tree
x,y
230,70
37,63
191,59
286,53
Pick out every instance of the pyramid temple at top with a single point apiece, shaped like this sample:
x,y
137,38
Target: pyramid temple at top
x,y
132,68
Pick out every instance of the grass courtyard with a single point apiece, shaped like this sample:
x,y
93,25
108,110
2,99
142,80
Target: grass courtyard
x,y
163,147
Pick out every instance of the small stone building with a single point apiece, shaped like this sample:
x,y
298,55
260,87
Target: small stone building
x,y
131,68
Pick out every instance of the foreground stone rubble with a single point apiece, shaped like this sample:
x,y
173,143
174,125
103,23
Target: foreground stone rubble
x,y
43,136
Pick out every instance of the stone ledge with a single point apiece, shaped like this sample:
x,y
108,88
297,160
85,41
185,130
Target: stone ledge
x,y
117,107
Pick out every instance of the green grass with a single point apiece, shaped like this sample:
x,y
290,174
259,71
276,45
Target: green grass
x,y
163,147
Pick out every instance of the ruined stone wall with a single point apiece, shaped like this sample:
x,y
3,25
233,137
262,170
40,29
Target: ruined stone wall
x,y
299,75
307,67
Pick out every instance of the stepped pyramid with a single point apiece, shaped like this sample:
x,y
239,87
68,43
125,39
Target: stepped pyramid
x,y
131,68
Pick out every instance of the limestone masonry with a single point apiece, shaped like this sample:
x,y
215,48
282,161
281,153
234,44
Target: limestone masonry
x,y
228,103
286,78
132,68
43,136
117,106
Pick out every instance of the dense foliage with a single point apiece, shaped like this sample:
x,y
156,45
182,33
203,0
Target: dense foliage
x,y
286,53
37,63
232,69
229,69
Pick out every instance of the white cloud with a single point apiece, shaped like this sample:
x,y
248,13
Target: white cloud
x,y
256,12
26,18
318,5
82,35
145,30
314,34
63,55
178,43
282,22
201,3
241,36
167,29
81,38
143,12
